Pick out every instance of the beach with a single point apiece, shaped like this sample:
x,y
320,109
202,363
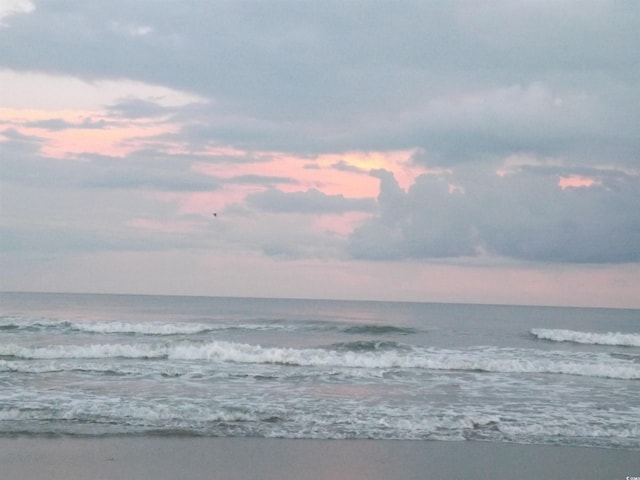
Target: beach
x,y
193,458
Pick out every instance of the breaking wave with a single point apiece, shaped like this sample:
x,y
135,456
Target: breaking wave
x,y
480,359
118,327
610,338
11,323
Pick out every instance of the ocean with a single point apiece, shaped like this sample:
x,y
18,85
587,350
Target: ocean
x,y
127,365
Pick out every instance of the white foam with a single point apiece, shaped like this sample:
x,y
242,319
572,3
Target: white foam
x,y
84,351
609,338
20,323
140,328
316,418
559,429
487,359
132,368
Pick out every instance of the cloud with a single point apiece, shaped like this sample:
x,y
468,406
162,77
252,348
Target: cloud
x,y
55,91
14,7
137,108
17,143
521,216
137,179
462,81
57,124
346,167
20,161
23,164
539,221
311,201
269,180
426,222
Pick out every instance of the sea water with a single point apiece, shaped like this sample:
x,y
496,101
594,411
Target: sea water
x,y
132,365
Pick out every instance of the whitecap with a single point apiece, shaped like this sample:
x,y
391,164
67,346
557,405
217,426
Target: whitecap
x,y
609,338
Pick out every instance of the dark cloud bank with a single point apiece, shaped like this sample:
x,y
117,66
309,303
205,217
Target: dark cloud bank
x,y
523,217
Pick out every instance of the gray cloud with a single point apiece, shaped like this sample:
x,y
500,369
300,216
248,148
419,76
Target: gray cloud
x,y
57,124
21,163
345,167
151,170
462,80
17,143
139,178
136,108
522,216
538,221
267,180
311,201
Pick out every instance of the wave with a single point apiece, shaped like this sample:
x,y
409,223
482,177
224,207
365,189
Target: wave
x,y
480,359
12,323
378,330
368,346
609,338
30,323
145,328
118,327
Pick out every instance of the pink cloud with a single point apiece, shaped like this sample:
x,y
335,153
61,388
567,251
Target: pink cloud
x,y
239,173
575,181
116,139
320,173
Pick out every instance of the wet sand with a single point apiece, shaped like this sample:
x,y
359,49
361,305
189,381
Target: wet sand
x,y
189,458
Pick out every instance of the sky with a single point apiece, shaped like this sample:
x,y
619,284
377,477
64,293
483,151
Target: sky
x,y
459,151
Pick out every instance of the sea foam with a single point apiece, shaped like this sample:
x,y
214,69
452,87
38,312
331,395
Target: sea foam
x,y
484,359
609,338
10,323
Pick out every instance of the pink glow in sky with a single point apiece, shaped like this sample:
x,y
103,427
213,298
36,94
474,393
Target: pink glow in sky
x,y
575,181
448,157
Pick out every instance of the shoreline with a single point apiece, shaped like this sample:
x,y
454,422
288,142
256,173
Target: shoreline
x,y
238,458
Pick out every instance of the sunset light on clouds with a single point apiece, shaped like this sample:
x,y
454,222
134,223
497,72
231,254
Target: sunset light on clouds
x,y
422,151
